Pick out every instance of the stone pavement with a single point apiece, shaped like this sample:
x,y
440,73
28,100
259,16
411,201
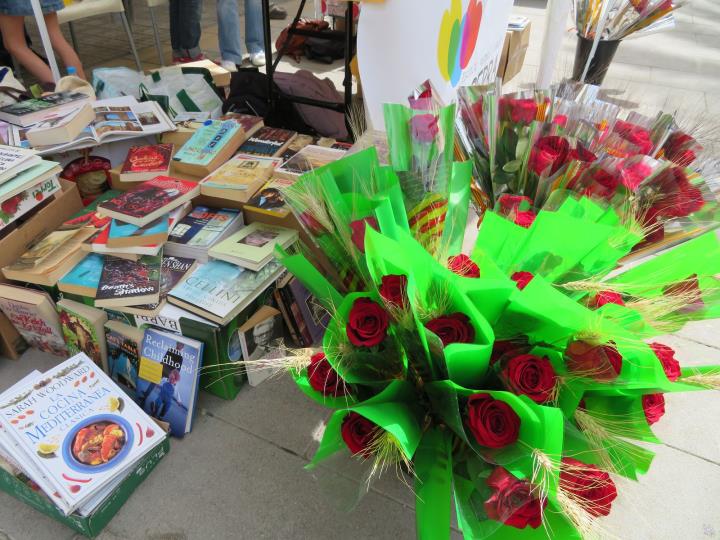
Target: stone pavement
x,y
239,474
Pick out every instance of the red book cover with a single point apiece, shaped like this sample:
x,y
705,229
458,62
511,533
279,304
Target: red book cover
x,y
154,158
149,197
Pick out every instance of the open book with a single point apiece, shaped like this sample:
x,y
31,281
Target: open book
x,y
115,119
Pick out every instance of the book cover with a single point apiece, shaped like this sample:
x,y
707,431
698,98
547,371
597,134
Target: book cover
x,y
249,123
242,172
29,177
15,160
316,317
270,200
82,328
84,278
207,142
78,428
123,349
88,216
33,315
141,236
153,158
220,288
31,111
172,271
267,141
161,194
253,245
203,226
298,143
168,378
20,204
129,283
261,337
308,159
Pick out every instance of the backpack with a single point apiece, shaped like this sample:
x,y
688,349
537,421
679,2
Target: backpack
x,y
324,50
295,46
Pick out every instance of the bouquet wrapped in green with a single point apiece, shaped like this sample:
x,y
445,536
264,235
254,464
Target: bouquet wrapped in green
x,y
513,381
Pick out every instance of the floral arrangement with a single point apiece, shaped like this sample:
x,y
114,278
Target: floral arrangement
x,y
623,17
516,380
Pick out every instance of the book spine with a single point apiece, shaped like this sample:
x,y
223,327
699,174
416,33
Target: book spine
x,y
297,317
286,316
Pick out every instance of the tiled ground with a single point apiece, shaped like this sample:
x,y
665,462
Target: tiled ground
x,y
240,473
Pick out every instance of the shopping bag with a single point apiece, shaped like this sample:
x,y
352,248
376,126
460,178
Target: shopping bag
x,y
182,89
116,81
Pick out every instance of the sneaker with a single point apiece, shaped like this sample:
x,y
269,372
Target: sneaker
x,y
257,59
186,59
277,12
227,64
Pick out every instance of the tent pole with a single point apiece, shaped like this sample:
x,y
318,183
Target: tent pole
x,y
45,37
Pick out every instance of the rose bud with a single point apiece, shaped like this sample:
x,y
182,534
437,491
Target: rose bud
x,y
323,378
634,134
453,328
367,323
493,422
358,231
606,297
502,347
522,279
531,376
462,265
590,485
678,148
654,407
393,290
513,501
358,433
518,110
549,154
666,355
600,362
525,219
424,127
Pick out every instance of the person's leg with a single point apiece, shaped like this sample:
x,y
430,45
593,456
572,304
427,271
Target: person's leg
x,y
13,36
228,19
175,29
190,13
254,35
64,50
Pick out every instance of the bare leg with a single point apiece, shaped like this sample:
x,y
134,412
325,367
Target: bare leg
x,y
13,34
61,46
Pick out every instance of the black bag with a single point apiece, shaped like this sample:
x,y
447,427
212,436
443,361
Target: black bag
x,y
324,50
249,95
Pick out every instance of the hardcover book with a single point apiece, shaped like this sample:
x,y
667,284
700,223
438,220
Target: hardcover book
x,y
84,277
261,338
33,314
209,147
201,229
78,429
253,246
83,330
239,178
168,378
129,283
123,347
218,290
268,142
149,200
146,162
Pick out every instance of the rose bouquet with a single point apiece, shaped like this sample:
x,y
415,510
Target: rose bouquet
x,y
512,381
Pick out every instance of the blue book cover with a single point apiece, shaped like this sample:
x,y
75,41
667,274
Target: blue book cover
x,y
119,229
168,378
84,278
207,141
203,226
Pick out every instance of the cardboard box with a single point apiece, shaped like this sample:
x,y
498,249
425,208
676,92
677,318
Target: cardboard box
x,y
512,57
93,524
66,203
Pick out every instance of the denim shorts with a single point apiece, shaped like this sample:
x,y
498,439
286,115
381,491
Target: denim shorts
x,y
23,7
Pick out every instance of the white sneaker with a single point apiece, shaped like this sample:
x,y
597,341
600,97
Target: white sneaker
x,y
257,59
227,64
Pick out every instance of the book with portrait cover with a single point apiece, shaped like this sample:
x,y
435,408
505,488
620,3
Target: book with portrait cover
x,y
146,162
239,178
168,378
123,350
253,246
268,142
270,199
33,315
129,283
149,200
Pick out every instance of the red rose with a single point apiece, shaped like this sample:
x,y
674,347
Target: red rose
x,y
522,279
513,501
666,355
493,422
678,148
636,135
633,175
580,153
589,484
601,362
312,224
424,127
453,328
367,323
358,433
393,289
507,203
677,197
654,407
606,297
601,184
462,265
549,154
358,231
518,110
502,347
323,378
689,290
525,219
530,375
560,120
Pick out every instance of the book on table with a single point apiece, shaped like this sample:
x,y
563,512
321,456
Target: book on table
x,y
239,178
201,229
253,246
27,190
31,111
62,127
13,161
308,159
129,283
123,345
83,330
84,277
144,163
126,235
268,142
209,147
269,199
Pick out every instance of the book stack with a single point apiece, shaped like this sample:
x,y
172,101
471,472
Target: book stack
x,y
77,460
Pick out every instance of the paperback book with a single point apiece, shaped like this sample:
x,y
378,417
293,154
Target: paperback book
x,y
83,330
146,162
308,159
62,127
270,199
129,283
77,427
123,347
13,161
168,378
84,277
149,200
31,111
261,337
253,246
239,178
33,315
268,142
17,205
89,216
201,229
145,240
209,147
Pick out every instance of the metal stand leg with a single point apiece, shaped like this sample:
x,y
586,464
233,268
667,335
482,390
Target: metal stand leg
x,y
349,53
126,25
158,46
269,66
73,37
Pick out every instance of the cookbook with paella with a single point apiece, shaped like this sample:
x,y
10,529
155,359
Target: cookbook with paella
x,y
78,429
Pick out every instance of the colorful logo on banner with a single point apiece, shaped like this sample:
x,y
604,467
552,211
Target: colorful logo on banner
x,y
458,35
